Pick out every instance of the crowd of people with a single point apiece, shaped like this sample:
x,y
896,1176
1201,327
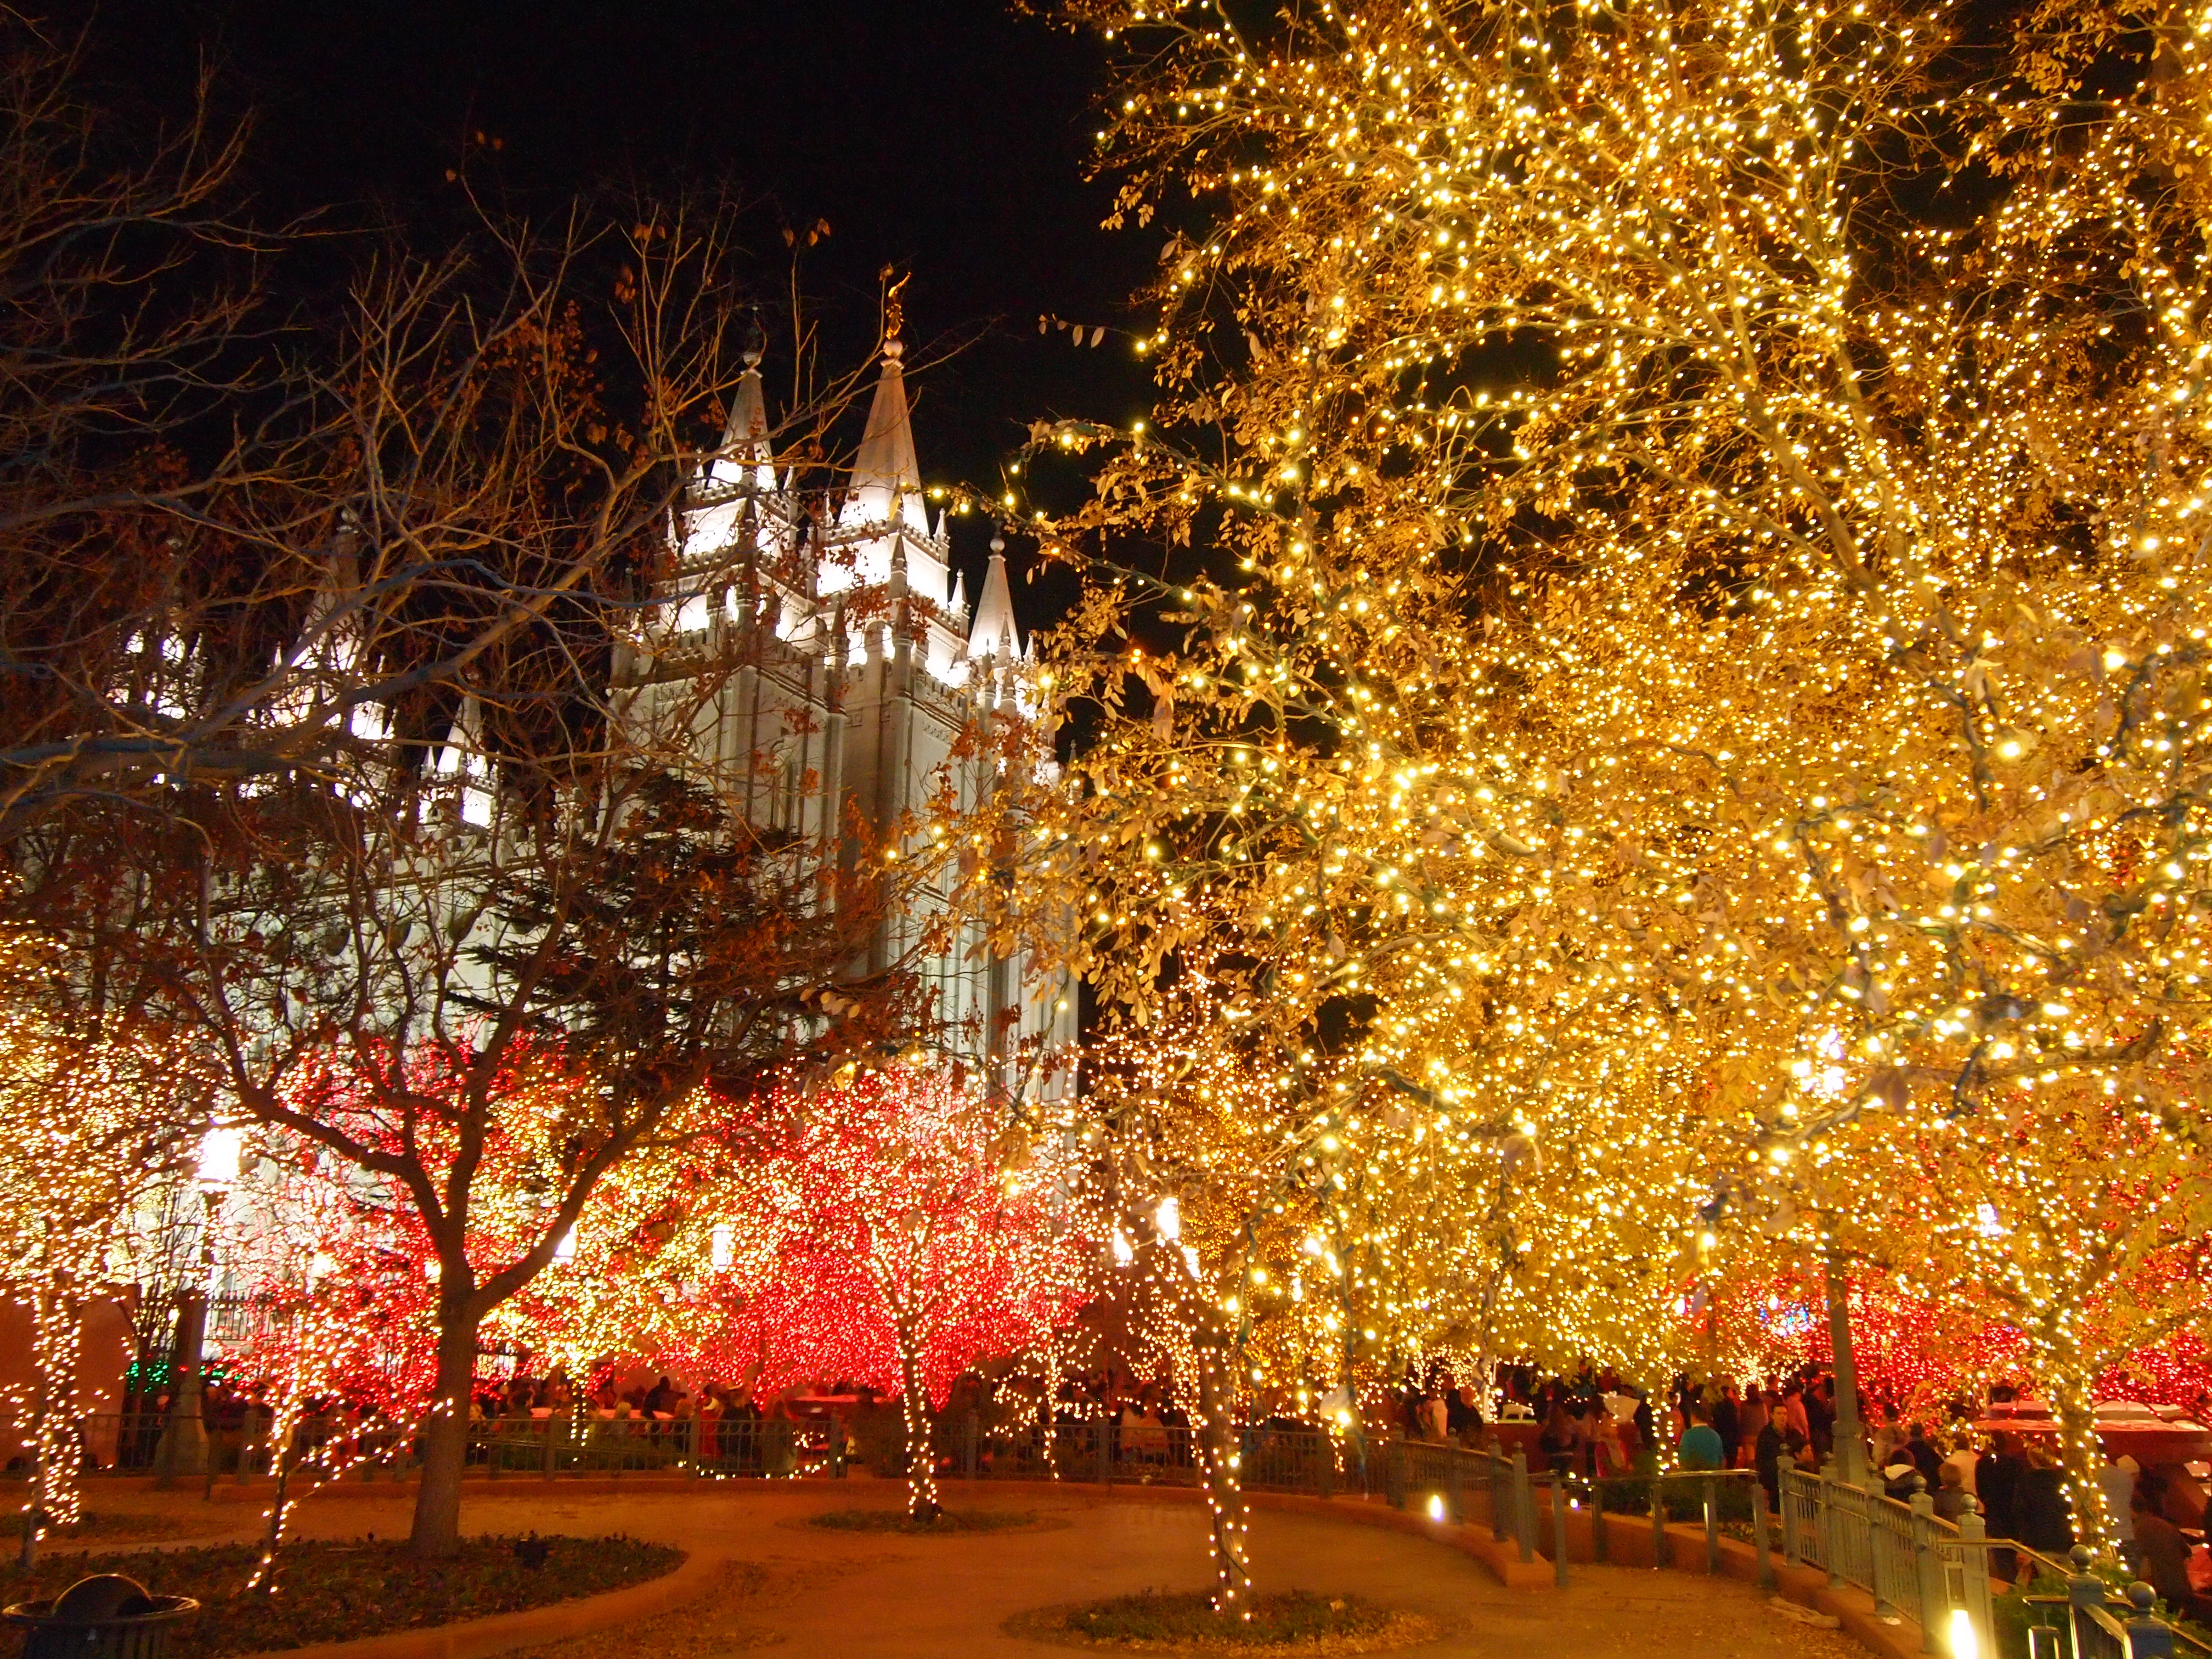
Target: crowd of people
x,y
1593,1426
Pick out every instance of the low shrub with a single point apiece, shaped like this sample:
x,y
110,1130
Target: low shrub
x,y
1685,1498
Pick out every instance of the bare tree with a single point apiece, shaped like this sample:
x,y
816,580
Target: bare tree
x,y
235,536
123,316
521,840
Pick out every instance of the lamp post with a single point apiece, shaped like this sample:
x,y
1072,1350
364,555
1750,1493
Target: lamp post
x,y
184,1447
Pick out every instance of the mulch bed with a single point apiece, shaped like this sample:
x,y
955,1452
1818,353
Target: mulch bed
x,y
1291,1622
328,1591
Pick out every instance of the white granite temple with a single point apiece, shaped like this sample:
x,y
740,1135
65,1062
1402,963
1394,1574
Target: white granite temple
x,y
840,664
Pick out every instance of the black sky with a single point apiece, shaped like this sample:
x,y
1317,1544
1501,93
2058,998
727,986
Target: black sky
x,y
945,135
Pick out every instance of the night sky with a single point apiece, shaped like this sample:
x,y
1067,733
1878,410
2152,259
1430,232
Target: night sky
x,y
947,135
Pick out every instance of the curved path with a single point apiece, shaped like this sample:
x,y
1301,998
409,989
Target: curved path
x,y
810,1592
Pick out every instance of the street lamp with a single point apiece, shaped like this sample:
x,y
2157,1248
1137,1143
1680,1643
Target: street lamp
x,y
184,1449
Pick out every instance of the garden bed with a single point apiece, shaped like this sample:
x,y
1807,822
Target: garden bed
x,y
1291,1622
1731,1498
335,1591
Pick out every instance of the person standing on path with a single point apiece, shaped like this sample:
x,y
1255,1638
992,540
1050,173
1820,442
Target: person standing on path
x,y
1727,1423
1700,1447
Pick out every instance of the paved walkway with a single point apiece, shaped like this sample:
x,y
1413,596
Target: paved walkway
x,y
815,1594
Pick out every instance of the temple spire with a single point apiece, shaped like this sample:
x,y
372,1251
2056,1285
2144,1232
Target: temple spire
x,y
993,633
886,475
748,457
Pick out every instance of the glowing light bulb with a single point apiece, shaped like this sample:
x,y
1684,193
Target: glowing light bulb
x,y
222,1149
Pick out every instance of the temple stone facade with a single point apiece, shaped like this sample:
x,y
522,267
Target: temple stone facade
x,y
836,662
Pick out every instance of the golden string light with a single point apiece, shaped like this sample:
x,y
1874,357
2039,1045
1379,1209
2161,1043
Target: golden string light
x,y
1706,728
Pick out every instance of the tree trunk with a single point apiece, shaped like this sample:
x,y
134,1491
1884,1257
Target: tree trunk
x,y
1354,1425
285,1417
35,1512
921,1504
1218,1462
272,1538
57,1457
437,1531
2078,1448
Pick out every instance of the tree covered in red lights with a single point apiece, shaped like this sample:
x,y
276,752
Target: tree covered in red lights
x,y
888,1230
895,1232
1914,1353
357,1247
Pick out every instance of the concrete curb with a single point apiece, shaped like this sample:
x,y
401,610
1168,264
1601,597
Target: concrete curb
x,y
1628,1544
1500,1557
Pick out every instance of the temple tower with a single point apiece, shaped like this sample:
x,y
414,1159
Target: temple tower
x,y
856,666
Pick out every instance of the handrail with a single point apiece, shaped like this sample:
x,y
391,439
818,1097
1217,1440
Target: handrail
x,y
1912,1562
1915,1563
2117,1622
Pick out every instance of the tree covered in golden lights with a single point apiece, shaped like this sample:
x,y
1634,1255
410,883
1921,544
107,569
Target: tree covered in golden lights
x,y
2058,1218
1683,529
1342,1249
95,1125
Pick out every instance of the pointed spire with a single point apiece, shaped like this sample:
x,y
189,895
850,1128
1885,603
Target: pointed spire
x,y
886,476
959,605
461,760
993,633
464,739
748,456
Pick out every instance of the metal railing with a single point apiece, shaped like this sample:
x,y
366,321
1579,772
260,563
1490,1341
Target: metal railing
x,y
1916,1565
1457,1483
238,1447
1105,1451
110,1443
2095,1619
1720,1501
553,1446
1530,1509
